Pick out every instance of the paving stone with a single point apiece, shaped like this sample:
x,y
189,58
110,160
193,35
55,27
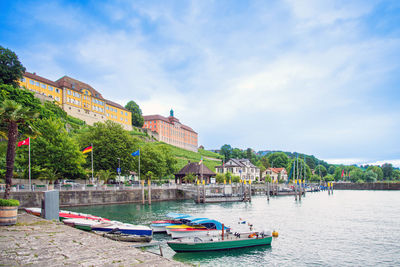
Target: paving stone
x,y
37,242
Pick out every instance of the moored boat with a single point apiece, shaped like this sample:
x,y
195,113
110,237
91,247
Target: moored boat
x,y
124,228
205,227
79,223
118,236
232,241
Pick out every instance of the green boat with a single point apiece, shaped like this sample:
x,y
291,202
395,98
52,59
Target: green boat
x,y
232,241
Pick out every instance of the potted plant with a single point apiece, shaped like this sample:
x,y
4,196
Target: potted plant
x,y
8,211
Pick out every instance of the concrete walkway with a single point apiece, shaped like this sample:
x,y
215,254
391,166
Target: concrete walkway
x,y
37,242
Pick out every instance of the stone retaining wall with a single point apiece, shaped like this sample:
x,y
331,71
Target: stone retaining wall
x,y
367,186
93,197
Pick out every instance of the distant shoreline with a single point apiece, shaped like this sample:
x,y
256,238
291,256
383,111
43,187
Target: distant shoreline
x,y
367,186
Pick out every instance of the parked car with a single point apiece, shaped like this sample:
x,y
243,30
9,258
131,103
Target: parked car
x,y
70,182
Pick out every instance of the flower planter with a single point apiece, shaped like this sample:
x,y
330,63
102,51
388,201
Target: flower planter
x,y
8,211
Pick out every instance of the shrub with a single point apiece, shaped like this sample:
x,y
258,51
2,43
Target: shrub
x,y
9,202
359,181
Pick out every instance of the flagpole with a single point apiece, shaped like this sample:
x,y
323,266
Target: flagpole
x,y
92,164
30,185
139,165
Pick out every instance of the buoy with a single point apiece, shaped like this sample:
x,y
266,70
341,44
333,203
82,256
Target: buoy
x,y
275,234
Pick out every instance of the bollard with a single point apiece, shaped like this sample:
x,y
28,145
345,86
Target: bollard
x,y
142,182
149,183
51,205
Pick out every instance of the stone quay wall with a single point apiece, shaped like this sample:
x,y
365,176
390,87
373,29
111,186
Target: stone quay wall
x,y
99,197
367,186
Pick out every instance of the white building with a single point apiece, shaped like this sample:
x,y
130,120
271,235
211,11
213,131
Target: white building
x,y
276,174
240,167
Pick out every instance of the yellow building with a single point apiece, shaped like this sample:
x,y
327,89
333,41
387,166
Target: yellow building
x,y
78,99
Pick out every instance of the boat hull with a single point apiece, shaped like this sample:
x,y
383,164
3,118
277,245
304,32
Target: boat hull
x,y
181,233
218,245
124,230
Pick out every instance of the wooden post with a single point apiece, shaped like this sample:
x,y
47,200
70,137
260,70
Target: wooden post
x,y
268,191
223,226
149,183
204,191
295,190
250,190
198,191
300,190
142,192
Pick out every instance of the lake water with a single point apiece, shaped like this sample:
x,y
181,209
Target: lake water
x,y
348,228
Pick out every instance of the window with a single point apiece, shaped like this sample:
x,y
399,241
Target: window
x,y
107,108
69,92
50,88
23,80
57,90
43,86
126,113
37,83
122,113
32,82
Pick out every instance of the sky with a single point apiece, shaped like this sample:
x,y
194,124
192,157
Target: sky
x,y
315,77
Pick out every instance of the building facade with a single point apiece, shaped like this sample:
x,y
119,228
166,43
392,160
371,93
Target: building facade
x,y
240,167
171,131
78,99
277,174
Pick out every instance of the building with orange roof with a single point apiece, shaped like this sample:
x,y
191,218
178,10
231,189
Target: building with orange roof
x,y
171,131
78,99
276,174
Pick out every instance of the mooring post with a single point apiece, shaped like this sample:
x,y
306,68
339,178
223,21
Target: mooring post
x,y
198,191
300,190
204,191
268,191
149,183
142,191
249,190
295,190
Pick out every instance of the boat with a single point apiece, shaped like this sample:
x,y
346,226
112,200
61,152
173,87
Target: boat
x,y
124,228
34,211
204,227
118,236
188,222
161,227
63,214
79,223
230,241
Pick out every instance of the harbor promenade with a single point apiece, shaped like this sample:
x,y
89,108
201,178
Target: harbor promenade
x,y
38,242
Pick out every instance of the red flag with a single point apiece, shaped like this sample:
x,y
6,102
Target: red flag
x,y
342,173
24,143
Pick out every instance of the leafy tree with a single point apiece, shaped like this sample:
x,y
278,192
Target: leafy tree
x,y
370,176
228,176
104,175
315,178
278,159
300,165
137,118
14,115
11,69
387,170
153,158
311,162
268,178
355,175
220,178
55,151
249,153
48,175
189,178
237,153
321,170
235,179
331,169
110,142
265,162
329,178
396,174
226,151
377,170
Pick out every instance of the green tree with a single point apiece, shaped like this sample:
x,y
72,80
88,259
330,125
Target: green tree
x,y
370,176
55,151
137,118
189,178
110,142
355,175
236,153
226,151
220,178
377,170
268,178
13,115
104,175
235,179
300,169
396,174
11,69
387,170
278,159
321,171
331,169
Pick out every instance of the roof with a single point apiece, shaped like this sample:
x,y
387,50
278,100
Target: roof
x,y
69,82
238,163
108,102
39,78
277,170
170,120
195,168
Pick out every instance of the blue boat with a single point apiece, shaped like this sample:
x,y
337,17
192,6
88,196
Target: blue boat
x,y
124,228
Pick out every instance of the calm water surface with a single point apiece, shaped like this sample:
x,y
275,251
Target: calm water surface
x,y
348,228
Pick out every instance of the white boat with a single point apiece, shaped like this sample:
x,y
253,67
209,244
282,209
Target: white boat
x,y
124,228
180,233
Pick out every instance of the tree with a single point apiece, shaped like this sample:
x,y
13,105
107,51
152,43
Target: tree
x,y
189,178
329,178
355,175
220,178
321,171
226,151
300,170
387,170
396,174
331,169
11,69
137,118
104,175
236,153
370,176
110,142
13,114
278,159
55,151
377,170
